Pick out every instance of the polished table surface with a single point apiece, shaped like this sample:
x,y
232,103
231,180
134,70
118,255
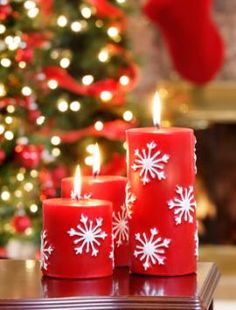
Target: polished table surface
x,y
22,287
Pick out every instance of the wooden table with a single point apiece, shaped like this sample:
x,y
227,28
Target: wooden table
x,y
22,287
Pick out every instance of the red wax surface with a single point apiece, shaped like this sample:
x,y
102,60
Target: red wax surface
x,y
110,188
60,216
151,210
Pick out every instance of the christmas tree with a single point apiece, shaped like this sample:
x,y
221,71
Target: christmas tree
x,y
65,73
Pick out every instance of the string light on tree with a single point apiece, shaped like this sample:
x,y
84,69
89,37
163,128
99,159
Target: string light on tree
x,y
34,173
106,95
29,5
65,62
56,152
76,26
99,125
62,105
6,62
103,55
26,91
124,80
128,116
2,29
55,140
90,148
10,108
2,90
22,64
33,208
2,129
86,12
52,84
40,120
87,79
62,21
75,106
114,33
8,120
5,195
33,12
9,135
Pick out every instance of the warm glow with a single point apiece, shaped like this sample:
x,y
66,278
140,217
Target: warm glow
x,y
156,110
96,160
76,193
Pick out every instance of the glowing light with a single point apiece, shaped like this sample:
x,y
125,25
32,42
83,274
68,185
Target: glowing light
x,y
76,194
34,208
34,173
62,105
18,193
52,84
40,120
90,148
75,106
62,21
10,108
87,79
2,90
120,1
5,195
56,152
33,12
103,55
20,177
28,186
125,145
2,29
156,110
99,125
96,160
106,95
9,135
86,12
55,140
124,80
65,62
8,120
26,91
127,116
88,160
29,264
113,32
5,62
29,4
29,231
2,129
99,23
12,42
76,26
22,64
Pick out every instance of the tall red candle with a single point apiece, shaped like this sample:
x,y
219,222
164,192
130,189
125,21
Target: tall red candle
x,y
76,240
110,188
161,173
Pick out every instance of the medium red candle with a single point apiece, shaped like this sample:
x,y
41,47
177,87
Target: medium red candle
x,y
110,188
76,240
161,173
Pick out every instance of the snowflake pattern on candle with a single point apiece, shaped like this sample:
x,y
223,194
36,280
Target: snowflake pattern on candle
x,y
130,198
45,250
120,226
183,205
88,235
150,163
196,239
151,250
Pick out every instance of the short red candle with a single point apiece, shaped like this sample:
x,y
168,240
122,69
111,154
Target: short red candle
x,y
161,173
110,188
76,239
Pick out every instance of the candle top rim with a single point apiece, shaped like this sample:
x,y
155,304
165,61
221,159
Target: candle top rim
x,y
163,130
99,178
75,203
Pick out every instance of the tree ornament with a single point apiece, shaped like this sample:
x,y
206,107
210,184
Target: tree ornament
x,y
29,155
192,38
24,54
2,156
21,223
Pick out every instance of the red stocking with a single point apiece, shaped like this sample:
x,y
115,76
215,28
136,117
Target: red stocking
x,y
193,40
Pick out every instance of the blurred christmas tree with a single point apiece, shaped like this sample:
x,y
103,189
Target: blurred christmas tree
x,y
65,73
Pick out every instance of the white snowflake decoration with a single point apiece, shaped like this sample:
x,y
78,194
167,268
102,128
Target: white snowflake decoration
x,y
130,198
120,226
88,235
150,163
111,254
151,250
183,205
45,250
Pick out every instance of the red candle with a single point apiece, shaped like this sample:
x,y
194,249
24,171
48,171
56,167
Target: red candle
x,y
76,240
163,221
110,188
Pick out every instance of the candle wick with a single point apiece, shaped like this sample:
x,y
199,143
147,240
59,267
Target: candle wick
x,y
157,126
95,174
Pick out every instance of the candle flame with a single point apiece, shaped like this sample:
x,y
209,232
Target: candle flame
x,y
76,193
157,110
96,160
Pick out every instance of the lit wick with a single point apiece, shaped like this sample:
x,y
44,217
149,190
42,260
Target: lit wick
x,y
156,110
76,193
96,161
